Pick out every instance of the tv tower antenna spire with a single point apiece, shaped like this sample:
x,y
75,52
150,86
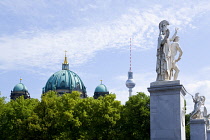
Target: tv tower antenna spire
x,y
130,82
130,54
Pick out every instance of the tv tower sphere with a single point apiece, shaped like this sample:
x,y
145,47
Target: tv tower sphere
x,y
130,83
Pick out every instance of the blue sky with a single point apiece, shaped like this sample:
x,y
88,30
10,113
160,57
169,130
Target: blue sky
x,y
96,34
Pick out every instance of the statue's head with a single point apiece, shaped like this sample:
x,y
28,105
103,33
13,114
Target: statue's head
x,y
196,94
203,100
163,26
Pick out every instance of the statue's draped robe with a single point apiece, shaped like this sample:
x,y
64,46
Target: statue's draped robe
x,y
163,60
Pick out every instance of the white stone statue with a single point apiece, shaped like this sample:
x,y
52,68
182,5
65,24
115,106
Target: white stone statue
x,y
164,64
199,101
174,47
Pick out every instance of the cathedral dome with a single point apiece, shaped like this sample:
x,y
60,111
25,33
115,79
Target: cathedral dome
x,y
20,87
65,81
101,88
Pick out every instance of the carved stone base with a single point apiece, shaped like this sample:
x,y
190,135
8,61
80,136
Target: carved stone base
x,y
167,112
198,129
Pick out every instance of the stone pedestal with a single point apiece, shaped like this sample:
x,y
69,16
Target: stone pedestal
x,y
167,112
208,134
198,129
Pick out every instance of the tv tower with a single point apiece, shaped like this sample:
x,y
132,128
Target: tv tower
x,y
130,82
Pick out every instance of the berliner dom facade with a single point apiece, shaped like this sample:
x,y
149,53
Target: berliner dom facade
x,y
63,81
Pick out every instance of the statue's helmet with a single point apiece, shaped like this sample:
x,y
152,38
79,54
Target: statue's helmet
x,y
196,94
163,25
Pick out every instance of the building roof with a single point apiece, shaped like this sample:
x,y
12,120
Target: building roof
x,y
20,87
101,88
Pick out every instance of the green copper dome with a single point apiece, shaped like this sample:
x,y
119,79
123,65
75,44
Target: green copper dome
x,y
19,90
65,81
20,87
101,88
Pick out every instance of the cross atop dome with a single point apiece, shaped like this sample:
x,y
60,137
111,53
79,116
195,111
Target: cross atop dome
x,y
65,65
65,59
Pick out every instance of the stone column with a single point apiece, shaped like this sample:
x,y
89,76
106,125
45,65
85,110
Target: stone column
x,y
198,129
167,112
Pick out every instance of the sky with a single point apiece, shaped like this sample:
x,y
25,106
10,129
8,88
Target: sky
x,y
96,35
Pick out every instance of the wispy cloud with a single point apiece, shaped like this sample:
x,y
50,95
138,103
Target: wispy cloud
x,y
43,49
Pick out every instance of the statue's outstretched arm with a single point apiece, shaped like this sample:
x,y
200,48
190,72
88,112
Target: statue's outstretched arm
x,y
173,37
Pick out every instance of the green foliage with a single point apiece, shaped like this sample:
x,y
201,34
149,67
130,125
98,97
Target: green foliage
x,y
136,118
68,117
15,118
187,126
187,122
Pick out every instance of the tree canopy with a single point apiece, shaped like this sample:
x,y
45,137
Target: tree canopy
x,y
68,117
136,117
